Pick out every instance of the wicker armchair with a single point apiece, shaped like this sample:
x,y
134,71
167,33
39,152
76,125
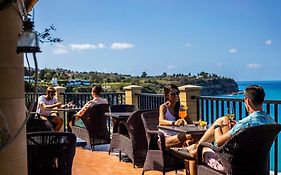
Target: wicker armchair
x,y
50,153
246,153
35,123
157,158
132,138
96,130
114,144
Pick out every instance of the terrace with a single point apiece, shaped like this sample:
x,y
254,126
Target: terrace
x,y
200,107
13,157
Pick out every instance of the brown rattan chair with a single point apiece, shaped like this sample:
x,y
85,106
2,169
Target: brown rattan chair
x,y
114,144
96,130
132,138
157,158
50,153
246,153
36,124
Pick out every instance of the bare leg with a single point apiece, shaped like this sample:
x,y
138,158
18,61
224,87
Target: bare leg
x,y
209,134
208,137
192,167
174,140
58,121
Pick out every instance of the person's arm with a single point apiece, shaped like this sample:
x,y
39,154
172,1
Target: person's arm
x,y
162,120
82,111
58,104
45,106
220,138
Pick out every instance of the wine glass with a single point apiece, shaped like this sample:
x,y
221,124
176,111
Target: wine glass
x,y
182,112
230,113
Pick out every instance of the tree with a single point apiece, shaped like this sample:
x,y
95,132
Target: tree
x,y
164,74
143,75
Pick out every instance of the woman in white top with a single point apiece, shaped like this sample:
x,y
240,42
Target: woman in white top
x,y
169,116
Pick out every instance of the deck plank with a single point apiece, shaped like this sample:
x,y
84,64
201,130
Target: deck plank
x,y
88,162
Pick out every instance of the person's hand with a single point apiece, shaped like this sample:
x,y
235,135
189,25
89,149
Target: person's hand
x,y
232,123
179,122
184,122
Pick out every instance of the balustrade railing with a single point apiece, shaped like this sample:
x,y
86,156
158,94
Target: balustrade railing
x,y
211,108
208,109
80,99
150,101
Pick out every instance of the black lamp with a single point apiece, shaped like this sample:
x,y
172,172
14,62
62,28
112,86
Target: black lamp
x,y
28,40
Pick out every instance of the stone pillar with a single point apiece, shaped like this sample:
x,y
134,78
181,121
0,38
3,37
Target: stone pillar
x,y
131,94
186,92
60,93
60,97
13,157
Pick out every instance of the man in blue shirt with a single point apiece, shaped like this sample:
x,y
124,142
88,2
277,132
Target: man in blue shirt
x,y
223,128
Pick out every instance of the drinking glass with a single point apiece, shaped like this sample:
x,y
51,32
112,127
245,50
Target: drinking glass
x,y
182,112
230,113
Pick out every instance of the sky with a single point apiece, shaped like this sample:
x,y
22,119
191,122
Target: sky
x,y
240,39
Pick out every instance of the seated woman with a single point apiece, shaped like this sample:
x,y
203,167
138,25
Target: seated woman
x,y
169,116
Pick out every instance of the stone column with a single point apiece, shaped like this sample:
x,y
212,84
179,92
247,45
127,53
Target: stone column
x,y
60,93
186,92
131,94
13,157
60,97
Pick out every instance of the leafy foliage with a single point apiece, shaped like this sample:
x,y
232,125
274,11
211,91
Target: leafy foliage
x,y
212,83
46,36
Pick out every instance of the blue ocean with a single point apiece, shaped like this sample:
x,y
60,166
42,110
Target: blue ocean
x,y
273,92
272,88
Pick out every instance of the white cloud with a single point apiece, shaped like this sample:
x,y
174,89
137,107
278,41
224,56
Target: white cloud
x,y
101,46
60,49
188,45
254,66
83,46
171,67
233,50
268,42
121,46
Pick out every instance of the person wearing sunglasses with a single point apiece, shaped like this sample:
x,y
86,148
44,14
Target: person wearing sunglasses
x,y
44,106
223,128
169,116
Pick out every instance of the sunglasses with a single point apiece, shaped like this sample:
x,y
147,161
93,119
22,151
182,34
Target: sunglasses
x,y
51,93
174,94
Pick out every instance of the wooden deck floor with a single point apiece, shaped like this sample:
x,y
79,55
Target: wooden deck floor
x,y
88,162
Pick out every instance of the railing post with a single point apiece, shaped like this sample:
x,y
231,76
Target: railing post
x,y
131,94
186,93
60,97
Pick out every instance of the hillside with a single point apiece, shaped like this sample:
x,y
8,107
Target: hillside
x,y
212,84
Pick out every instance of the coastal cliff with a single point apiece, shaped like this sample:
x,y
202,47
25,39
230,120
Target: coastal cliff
x,y
75,81
219,87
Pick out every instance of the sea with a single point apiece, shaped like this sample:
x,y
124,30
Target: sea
x,y
273,92
272,88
